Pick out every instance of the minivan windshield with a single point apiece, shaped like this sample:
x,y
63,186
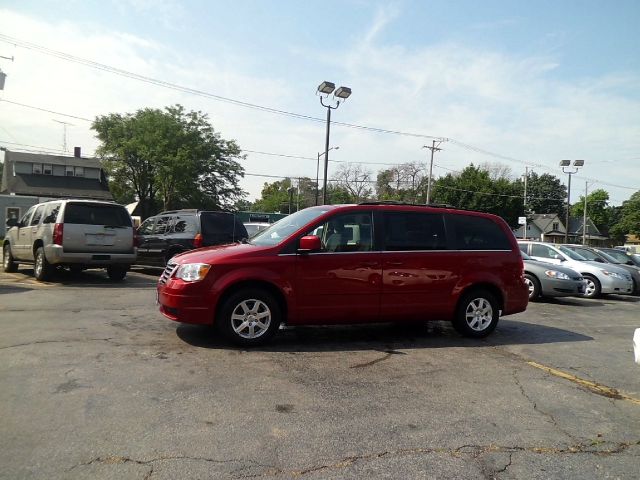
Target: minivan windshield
x,y
286,226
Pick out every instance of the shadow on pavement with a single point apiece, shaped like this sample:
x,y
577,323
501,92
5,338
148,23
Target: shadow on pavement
x,y
385,337
92,278
14,289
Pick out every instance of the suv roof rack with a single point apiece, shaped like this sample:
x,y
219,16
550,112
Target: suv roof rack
x,y
398,202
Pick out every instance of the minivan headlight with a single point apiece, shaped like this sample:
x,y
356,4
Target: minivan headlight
x,y
557,274
613,274
192,272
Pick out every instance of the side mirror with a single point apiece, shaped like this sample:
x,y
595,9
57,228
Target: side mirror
x,y
12,222
310,243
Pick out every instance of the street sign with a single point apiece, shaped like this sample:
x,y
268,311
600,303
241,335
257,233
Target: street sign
x,y
522,220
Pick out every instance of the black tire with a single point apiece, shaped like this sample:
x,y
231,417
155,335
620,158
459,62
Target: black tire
x,y
8,263
42,269
534,287
117,273
238,317
477,314
592,288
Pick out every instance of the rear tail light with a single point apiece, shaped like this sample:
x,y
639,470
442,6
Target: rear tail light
x,y
197,241
136,240
58,230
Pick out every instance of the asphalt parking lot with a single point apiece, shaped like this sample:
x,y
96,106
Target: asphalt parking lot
x,y
96,384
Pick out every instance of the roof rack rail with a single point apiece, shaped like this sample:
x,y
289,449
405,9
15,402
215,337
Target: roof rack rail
x,y
398,202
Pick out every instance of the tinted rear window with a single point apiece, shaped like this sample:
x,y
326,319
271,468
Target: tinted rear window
x,y
413,231
95,214
219,228
477,233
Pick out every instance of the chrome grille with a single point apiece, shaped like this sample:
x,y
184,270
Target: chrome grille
x,y
168,271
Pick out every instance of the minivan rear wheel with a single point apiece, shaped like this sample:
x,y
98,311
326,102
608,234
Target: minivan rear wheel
x,y
249,317
7,260
477,314
42,269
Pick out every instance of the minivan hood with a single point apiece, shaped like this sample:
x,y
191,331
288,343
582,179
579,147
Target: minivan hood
x,y
212,254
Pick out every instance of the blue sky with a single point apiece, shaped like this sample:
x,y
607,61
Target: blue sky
x,y
532,82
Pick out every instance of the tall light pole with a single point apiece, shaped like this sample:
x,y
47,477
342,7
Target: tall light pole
x,y
318,172
341,94
569,168
584,215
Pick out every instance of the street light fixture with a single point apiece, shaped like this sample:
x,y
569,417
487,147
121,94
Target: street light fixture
x,y
569,168
318,172
341,94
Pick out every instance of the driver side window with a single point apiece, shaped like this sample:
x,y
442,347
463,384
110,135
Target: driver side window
x,y
346,233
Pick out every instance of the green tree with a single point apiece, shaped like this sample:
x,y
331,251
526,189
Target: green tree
x,y
629,222
275,197
169,158
474,189
406,182
545,194
597,208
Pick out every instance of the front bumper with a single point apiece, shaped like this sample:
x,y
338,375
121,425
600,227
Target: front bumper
x,y
183,307
617,286
562,288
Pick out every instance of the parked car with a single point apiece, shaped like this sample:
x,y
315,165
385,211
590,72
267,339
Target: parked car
x,y
71,233
621,256
332,264
599,279
593,254
255,227
169,233
549,280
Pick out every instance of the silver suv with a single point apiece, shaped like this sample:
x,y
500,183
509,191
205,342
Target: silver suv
x,y
599,278
71,233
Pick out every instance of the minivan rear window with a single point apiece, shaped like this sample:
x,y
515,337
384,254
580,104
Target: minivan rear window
x,y
96,214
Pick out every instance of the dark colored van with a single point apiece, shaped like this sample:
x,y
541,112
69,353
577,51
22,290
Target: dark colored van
x,y
169,233
346,264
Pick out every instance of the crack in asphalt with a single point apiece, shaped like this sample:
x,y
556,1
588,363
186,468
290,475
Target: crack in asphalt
x,y
549,416
387,355
40,342
473,451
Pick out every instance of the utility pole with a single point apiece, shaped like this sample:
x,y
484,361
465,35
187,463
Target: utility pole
x,y
526,176
433,148
584,215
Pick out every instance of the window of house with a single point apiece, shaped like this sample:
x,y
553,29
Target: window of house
x,y
555,226
79,171
47,169
68,170
37,168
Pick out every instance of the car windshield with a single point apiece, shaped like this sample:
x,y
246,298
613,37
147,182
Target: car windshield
x,y
571,254
588,254
286,226
619,257
610,258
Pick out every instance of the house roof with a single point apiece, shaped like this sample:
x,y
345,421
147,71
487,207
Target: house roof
x,y
52,159
545,220
575,227
55,186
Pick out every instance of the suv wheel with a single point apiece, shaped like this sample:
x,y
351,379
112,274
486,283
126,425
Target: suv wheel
x,y
7,259
477,314
592,287
42,269
249,317
534,286
117,273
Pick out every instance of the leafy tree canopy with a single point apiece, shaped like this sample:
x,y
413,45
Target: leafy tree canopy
x,y
168,159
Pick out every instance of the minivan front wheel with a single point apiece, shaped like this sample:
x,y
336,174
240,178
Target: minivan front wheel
x,y
42,269
7,260
477,314
249,317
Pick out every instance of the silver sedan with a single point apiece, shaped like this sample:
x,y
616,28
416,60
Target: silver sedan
x,y
551,280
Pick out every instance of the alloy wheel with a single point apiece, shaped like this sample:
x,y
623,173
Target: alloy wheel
x,y
479,314
251,318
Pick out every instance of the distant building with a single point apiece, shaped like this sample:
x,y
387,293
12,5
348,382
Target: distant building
x,y
548,227
30,178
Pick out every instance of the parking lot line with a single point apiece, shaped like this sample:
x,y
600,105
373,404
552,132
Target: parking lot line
x,y
594,387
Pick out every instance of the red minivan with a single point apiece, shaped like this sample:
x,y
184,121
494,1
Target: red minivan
x,y
346,264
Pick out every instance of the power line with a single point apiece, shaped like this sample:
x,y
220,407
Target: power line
x,y
45,110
